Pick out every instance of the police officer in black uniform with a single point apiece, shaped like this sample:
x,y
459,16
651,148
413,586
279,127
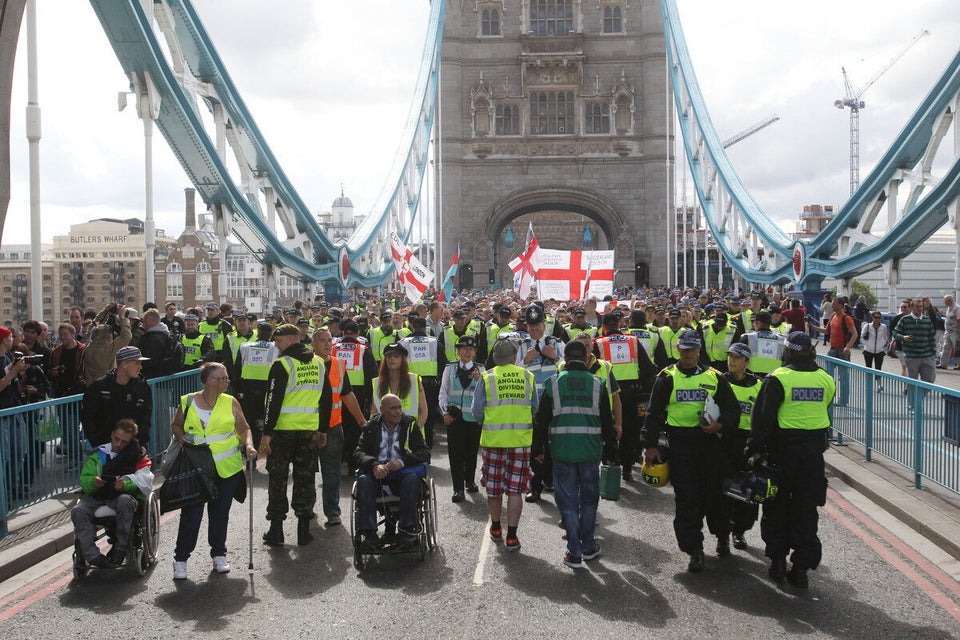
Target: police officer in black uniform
x,y
789,427
697,457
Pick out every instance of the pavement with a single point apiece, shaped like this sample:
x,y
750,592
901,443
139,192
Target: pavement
x,y
43,530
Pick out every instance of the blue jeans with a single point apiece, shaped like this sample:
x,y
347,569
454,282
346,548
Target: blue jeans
x,y
404,483
330,456
218,512
576,488
842,376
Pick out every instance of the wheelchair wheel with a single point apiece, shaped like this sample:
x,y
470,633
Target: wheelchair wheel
x,y
80,568
430,516
358,561
151,530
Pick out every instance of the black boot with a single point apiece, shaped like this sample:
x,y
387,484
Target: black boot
x,y
778,570
697,562
723,546
798,577
304,536
274,537
739,541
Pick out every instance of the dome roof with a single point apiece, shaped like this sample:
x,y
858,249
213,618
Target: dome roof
x,y
342,201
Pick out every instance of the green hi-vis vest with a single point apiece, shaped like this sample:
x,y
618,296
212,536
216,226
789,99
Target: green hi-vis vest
x,y
379,339
575,331
670,337
747,396
767,350
450,342
422,355
717,343
191,349
256,358
213,332
301,398
508,414
603,372
689,395
806,396
219,433
235,341
410,403
648,337
457,394
574,433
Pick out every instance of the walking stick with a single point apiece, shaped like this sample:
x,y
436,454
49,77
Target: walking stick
x,y
251,465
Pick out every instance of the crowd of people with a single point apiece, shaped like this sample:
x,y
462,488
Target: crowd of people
x,y
541,392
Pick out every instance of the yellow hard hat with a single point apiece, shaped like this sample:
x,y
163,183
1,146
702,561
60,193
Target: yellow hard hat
x,y
657,474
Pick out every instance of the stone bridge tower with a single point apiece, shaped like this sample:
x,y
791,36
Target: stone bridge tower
x,y
555,112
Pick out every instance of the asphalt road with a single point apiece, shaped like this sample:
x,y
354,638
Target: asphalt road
x,y
877,581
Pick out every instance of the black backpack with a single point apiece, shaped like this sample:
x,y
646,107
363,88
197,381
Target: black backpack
x,y
174,356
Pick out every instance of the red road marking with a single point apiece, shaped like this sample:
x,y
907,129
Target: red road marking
x,y
921,581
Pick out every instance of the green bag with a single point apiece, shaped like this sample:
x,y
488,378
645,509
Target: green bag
x,y
610,481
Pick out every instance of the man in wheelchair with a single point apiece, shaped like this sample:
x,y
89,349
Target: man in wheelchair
x,y
391,458
116,475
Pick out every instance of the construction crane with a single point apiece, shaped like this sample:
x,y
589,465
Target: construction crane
x,y
853,102
749,131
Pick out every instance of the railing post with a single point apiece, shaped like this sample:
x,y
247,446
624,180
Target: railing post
x,y
917,434
868,427
5,438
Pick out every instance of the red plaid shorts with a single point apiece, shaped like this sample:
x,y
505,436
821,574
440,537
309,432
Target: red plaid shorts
x,y
505,471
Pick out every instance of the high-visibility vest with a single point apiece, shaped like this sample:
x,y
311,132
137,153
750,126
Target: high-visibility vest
x,y
422,354
235,341
746,316
717,343
450,338
767,349
621,352
670,337
191,349
784,328
806,396
351,354
410,403
493,331
256,358
574,432
575,331
378,340
219,433
689,396
457,394
747,396
301,398
213,332
336,371
508,414
648,337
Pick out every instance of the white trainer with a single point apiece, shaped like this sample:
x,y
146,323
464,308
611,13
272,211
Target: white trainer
x,y
179,570
220,564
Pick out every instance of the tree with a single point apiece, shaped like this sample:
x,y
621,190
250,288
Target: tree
x,y
859,288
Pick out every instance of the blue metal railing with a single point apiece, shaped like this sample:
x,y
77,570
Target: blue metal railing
x,y
911,423
42,447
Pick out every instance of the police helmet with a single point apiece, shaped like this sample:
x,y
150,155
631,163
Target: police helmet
x,y
756,486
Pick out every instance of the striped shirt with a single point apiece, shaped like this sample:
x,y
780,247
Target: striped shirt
x,y
923,343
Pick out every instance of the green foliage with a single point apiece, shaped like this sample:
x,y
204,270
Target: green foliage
x,y
859,288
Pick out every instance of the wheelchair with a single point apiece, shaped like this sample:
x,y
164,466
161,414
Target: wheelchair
x,y
144,536
388,513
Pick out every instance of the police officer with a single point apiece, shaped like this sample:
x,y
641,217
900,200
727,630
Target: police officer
x,y
647,334
245,333
789,427
634,371
746,387
451,334
217,329
718,334
580,324
297,416
424,357
506,397
677,405
382,335
766,346
669,334
197,348
252,369
457,386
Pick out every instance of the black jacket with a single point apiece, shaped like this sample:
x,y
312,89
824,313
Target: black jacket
x,y
367,454
105,402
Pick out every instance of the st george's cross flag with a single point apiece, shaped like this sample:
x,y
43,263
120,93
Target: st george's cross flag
x,y
574,275
524,266
414,277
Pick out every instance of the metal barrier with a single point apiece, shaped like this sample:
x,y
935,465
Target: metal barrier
x,y
42,447
909,422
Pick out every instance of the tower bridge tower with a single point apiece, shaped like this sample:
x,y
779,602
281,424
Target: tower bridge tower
x,y
555,112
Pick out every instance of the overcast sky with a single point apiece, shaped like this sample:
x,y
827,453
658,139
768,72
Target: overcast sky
x,y
329,84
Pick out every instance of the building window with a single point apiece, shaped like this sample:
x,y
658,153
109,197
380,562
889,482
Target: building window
x,y
598,118
174,281
612,19
204,281
551,17
551,112
508,120
490,22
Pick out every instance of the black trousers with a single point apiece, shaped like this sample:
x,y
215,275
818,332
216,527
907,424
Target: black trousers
x,y
431,389
743,515
790,520
463,446
696,464
630,401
